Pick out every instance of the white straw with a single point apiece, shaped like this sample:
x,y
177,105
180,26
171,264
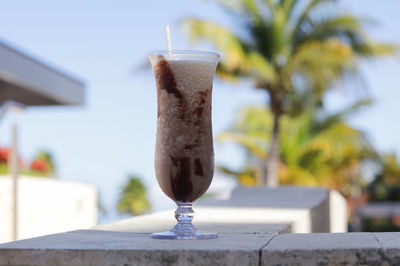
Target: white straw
x,y
168,38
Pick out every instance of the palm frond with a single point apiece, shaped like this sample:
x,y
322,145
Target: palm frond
x,y
337,142
295,132
295,175
270,3
304,17
253,144
288,6
370,48
246,176
327,121
234,6
222,38
331,26
321,63
228,171
253,10
237,59
260,70
349,29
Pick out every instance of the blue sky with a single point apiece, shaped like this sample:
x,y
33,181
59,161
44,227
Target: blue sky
x,y
113,135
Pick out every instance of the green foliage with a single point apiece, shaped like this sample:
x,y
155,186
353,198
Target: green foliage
x,y
3,169
133,198
284,41
316,148
386,185
380,225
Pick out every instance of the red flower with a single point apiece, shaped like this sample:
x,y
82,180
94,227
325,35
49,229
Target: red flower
x,y
4,152
40,165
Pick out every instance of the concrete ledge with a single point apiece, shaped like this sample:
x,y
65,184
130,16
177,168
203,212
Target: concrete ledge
x,y
333,249
91,247
96,247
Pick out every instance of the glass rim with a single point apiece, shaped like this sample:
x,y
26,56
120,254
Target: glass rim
x,y
187,52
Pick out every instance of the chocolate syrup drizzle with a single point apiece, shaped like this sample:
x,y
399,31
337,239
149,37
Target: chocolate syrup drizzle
x,y
165,79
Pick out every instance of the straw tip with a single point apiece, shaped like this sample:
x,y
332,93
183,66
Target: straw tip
x,y
168,37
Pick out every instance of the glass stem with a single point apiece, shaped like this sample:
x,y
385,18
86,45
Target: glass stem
x,y
184,215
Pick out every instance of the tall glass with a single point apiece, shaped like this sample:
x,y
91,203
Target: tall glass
x,y
184,158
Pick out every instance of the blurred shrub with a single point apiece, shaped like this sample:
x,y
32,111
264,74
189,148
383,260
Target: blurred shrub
x,y
133,197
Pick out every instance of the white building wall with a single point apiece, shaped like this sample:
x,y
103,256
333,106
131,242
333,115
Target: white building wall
x,y
47,206
338,212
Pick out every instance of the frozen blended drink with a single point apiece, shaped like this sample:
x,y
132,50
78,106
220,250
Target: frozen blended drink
x,y
184,157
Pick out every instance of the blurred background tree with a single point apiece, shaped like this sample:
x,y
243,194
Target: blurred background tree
x,y
382,195
133,198
294,50
386,184
317,148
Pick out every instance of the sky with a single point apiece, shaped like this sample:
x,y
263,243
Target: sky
x,y
113,134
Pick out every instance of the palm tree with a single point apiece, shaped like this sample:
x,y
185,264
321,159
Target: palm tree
x,y
294,50
133,198
316,148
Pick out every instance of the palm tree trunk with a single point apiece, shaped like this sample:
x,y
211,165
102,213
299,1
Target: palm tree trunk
x,y
272,161
260,173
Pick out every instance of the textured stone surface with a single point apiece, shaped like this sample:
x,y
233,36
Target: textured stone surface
x,y
95,247
390,243
331,249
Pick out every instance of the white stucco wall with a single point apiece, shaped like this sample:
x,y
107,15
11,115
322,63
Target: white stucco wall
x,y
337,212
47,206
306,209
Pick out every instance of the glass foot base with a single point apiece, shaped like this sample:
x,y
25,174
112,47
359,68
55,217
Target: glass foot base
x,y
194,235
184,229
